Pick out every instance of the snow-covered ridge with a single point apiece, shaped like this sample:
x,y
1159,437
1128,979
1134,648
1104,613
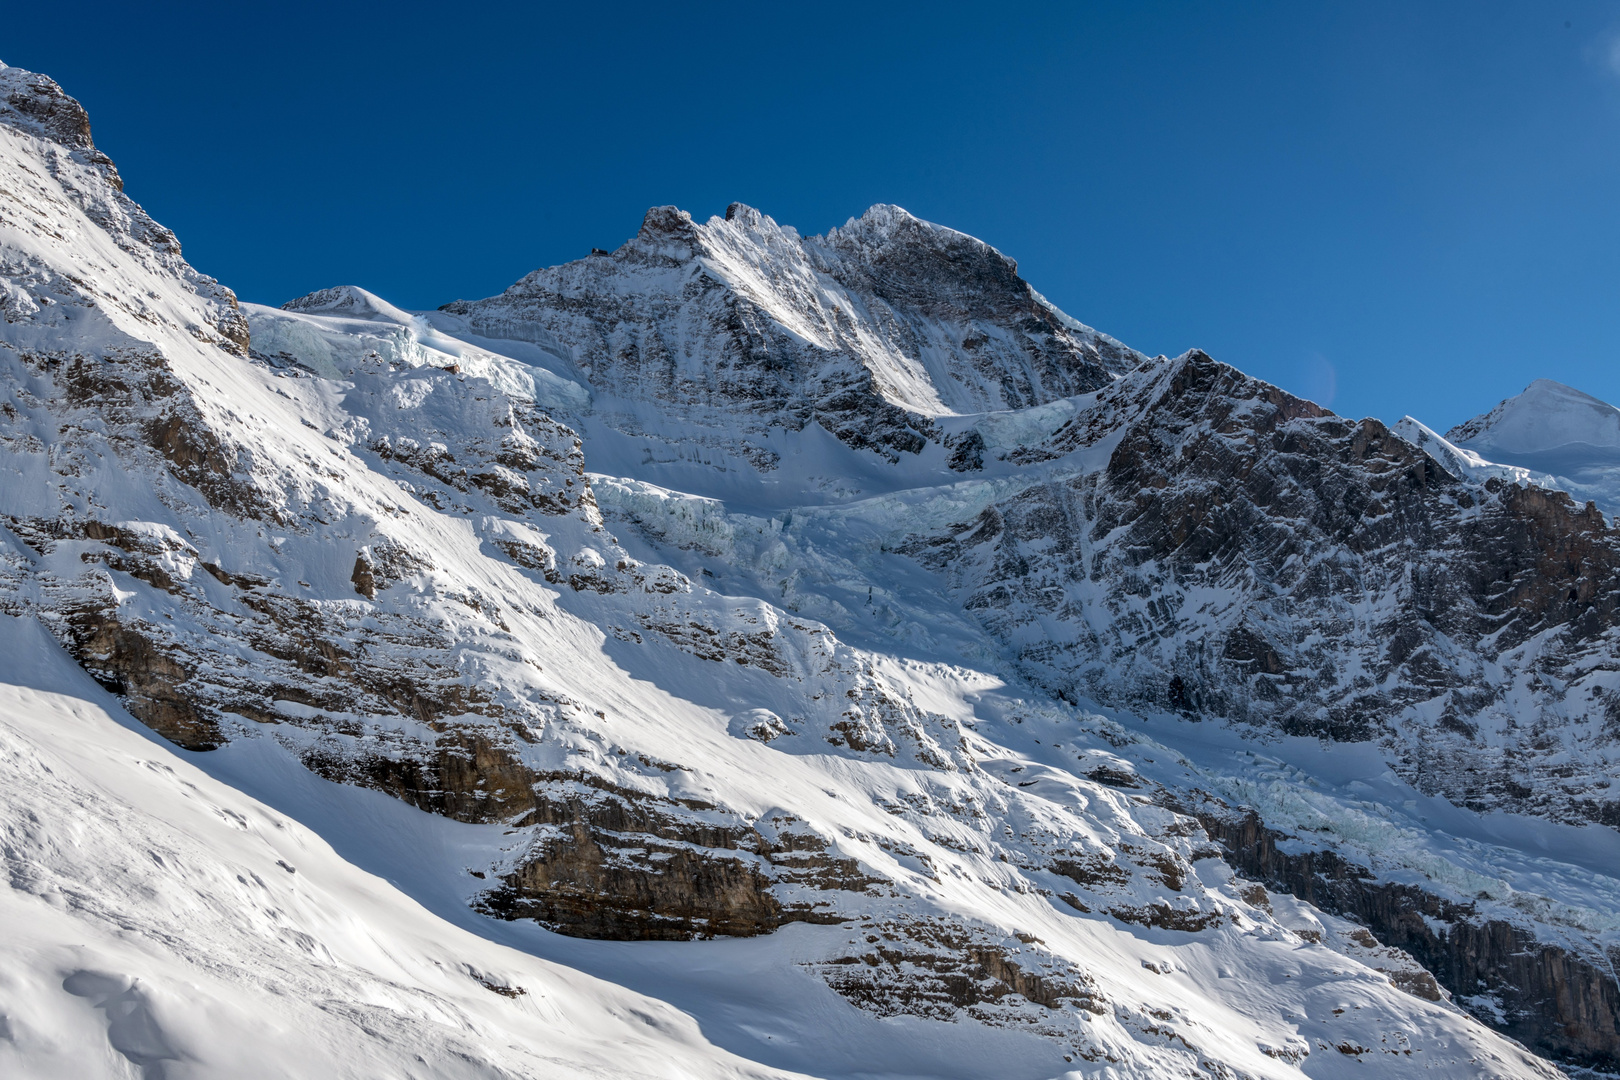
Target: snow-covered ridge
x,y
1456,459
48,147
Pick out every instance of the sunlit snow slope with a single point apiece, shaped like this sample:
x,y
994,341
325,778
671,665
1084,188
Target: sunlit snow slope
x,y
159,923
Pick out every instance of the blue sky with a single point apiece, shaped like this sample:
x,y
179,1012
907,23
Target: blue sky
x,y
1391,208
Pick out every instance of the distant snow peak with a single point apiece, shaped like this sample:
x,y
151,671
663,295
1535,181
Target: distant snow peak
x,y
1547,416
350,301
1554,436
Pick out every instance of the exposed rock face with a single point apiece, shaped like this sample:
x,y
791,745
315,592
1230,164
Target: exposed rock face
x,y
152,680
40,106
940,970
867,331
1547,995
610,865
1246,554
371,681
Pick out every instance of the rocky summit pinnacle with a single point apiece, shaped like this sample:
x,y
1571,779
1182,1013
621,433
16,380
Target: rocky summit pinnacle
x,y
870,332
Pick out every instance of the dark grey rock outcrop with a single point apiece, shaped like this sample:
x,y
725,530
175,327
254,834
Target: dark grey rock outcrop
x,y
1554,999
1247,555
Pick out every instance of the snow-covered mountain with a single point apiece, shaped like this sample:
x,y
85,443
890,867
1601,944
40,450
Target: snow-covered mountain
x,y
1547,417
871,331
772,654
1563,438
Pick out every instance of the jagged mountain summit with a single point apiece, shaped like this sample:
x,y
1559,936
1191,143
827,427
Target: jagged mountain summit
x,y
826,638
871,331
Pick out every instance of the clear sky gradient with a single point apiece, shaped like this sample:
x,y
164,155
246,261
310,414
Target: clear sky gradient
x,y
1389,207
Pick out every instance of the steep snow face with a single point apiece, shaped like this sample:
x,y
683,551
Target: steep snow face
x,y
1192,543
370,554
65,202
871,331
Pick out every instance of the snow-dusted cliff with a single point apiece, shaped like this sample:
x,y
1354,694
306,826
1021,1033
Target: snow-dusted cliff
x,y
727,616
738,326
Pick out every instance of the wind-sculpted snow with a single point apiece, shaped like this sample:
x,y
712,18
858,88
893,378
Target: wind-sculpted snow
x,y
815,764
